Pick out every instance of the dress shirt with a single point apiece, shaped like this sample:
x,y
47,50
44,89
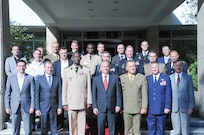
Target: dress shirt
x,y
47,77
121,56
104,77
64,64
157,77
129,58
131,76
35,69
166,58
21,78
144,53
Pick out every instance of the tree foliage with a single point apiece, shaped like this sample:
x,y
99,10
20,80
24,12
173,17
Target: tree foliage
x,y
20,37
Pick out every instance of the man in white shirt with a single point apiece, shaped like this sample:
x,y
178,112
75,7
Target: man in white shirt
x,y
36,67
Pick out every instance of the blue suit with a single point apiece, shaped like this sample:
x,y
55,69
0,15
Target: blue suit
x,y
170,70
161,60
106,101
48,100
140,61
57,67
182,100
159,98
20,102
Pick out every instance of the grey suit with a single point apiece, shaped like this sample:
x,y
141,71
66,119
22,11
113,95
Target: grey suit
x,y
20,102
182,100
10,65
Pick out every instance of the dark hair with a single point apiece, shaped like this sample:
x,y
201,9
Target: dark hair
x,y
178,60
19,61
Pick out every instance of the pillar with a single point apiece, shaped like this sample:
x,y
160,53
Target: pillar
x,y
52,35
152,36
200,57
4,52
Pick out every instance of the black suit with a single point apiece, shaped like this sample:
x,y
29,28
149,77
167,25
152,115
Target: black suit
x,y
140,61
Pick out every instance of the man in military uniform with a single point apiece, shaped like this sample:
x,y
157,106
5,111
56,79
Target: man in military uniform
x,y
134,91
54,55
76,94
90,60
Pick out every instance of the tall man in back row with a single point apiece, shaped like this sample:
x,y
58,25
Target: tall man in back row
x,y
134,90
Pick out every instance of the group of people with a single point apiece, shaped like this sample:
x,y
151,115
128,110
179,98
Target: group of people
x,y
126,84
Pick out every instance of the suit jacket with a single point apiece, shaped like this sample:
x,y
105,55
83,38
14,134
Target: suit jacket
x,y
106,100
159,94
113,69
14,97
57,67
148,71
161,60
134,93
90,63
183,95
170,70
46,98
115,60
122,66
140,61
76,88
10,66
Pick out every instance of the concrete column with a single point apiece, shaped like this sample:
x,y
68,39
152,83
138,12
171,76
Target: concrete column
x,y
200,57
52,35
152,36
4,52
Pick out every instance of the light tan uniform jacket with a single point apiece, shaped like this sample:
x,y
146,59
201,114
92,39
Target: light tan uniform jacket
x,y
76,88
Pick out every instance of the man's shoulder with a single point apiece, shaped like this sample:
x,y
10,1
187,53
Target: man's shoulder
x,y
9,58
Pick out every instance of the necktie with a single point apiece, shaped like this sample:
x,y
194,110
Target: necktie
x,y
90,57
76,69
105,83
178,80
49,81
155,79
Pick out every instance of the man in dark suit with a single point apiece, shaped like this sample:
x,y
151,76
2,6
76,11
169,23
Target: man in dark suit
x,y
62,63
48,99
59,67
183,101
129,51
74,47
116,59
166,58
106,99
106,57
169,66
141,57
19,98
159,100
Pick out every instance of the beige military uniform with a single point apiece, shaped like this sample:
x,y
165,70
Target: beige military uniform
x,y
76,93
148,71
90,61
52,57
134,99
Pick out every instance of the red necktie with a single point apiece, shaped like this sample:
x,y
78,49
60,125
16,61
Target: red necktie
x,y
105,83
